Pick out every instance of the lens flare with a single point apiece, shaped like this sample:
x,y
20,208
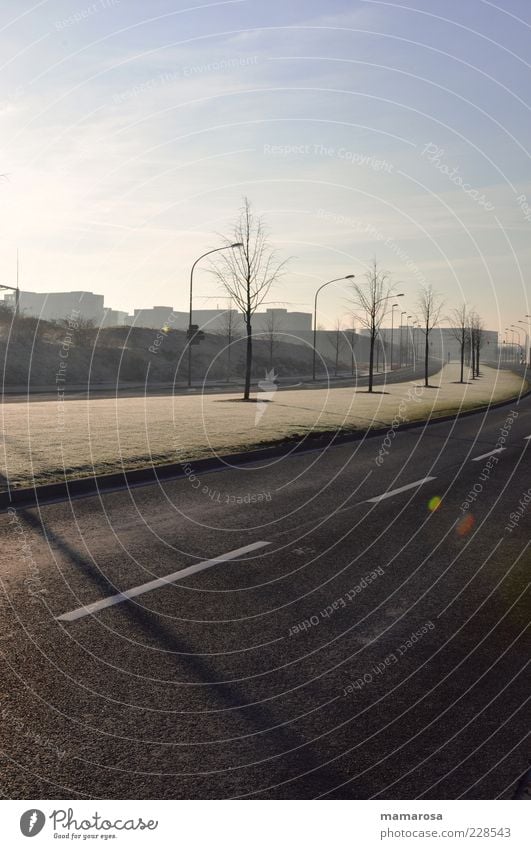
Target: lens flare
x,y
434,503
465,525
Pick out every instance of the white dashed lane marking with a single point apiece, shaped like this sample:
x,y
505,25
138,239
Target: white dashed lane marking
x,y
391,492
488,454
110,601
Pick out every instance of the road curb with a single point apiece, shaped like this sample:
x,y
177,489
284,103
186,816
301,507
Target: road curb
x,y
101,484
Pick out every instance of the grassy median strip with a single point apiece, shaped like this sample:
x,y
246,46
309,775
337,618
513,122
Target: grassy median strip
x,y
43,444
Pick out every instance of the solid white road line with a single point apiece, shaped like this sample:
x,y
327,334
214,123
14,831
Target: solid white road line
x,y
158,582
391,492
488,454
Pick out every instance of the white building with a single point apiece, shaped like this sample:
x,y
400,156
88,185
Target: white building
x,y
54,306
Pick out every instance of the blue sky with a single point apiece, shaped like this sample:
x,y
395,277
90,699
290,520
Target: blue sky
x,y
130,132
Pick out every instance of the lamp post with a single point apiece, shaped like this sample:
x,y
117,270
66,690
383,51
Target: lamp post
x,y
513,357
417,338
392,331
402,314
328,282
517,330
408,335
526,324
380,338
526,349
190,334
414,341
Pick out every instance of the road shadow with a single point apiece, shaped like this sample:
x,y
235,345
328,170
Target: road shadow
x,y
232,696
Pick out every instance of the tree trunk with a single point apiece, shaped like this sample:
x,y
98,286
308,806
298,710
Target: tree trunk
x,y
371,362
426,357
462,361
248,361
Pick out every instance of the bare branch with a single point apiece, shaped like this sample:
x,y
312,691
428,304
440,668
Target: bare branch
x,y
370,301
247,273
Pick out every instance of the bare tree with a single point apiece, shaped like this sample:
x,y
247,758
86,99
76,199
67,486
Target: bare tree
x,y
430,306
338,342
352,339
460,330
370,300
273,325
84,329
228,328
477,335
247,274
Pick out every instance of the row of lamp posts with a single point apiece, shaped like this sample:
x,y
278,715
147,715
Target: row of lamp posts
x,y
193,330
515,330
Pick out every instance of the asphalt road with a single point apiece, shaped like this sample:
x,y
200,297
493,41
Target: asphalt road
x,y
363,644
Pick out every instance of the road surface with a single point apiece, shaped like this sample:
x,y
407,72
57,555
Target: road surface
x,y
340,624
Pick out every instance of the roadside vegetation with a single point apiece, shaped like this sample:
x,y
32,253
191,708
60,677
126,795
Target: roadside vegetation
x,y
32,353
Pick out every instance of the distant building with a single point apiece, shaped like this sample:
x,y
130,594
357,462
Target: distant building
x,y
114,318
157,317
295,327
279,321
54,306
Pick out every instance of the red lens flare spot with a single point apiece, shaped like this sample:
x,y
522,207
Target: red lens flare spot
x,y
465,525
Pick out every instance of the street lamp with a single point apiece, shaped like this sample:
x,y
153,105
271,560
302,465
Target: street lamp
x,y
402,314
528,347
381,339
513,357
190,332
418,338
408,334
526,352
335,280
517,330
392,331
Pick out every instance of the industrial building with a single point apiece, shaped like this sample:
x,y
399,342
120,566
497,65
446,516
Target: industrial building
x,y
405,342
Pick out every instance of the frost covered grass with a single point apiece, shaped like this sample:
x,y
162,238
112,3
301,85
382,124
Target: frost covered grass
x,y
44,440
